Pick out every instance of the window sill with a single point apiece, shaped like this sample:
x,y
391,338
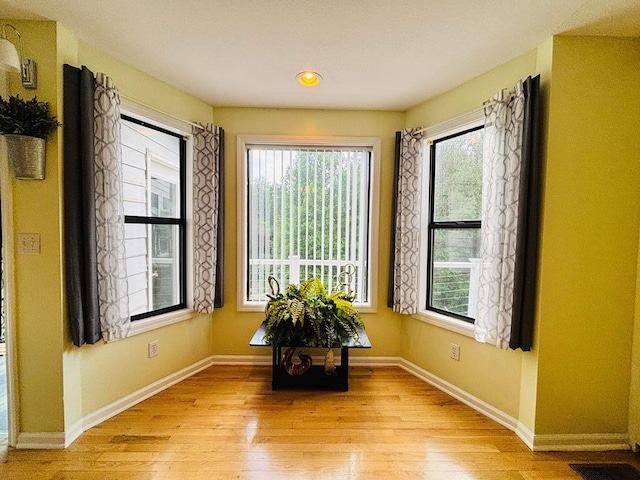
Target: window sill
x,y
152,323
443,321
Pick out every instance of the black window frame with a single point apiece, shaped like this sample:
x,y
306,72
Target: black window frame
x,y
433,226
180,221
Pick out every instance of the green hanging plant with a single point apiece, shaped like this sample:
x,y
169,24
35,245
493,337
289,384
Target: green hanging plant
x,y
26,117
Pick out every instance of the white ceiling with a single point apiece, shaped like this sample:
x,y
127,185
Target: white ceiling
x,y
373,54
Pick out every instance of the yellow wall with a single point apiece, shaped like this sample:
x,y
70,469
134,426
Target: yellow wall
x,y
57,382
38,285
529,372
472,94
233,329
582,358
144,88
72,386
634,397
428,346
588,261
182,344
588,256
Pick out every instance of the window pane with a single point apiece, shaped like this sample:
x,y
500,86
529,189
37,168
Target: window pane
x,y
151,171
164,198
308,212
137,247
455,270
153,266
165,265
458,178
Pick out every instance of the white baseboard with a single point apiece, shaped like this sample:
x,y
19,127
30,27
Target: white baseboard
x,y
525,435
538,443
150,390
41,440
265,360
459,394
365,361
63,440
595,442
240,360
74,431
592,442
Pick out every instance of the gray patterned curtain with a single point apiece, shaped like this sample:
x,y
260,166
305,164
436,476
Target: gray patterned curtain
x,y
113,291
97,300
208,218
509,219
405,232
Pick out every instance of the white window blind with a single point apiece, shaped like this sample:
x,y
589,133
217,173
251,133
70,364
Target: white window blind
x,y
308,211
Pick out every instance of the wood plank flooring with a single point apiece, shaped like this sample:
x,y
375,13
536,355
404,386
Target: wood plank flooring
x,y
226,423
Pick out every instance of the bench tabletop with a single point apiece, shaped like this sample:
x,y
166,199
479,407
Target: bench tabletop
x,y
258,339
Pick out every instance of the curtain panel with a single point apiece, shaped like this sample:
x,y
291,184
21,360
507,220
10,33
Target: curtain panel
x,y
79,207
405,229
507,281
208,218
112,274
526,266
95,278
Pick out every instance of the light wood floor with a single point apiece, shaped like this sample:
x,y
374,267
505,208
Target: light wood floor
x,y
226,423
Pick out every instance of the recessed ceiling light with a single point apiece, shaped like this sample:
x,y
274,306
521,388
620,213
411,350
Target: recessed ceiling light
x,y
308,78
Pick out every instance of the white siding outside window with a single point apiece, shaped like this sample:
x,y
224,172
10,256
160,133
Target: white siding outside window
x,y
151,177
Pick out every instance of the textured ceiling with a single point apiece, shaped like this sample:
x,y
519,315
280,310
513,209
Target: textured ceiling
x,y
372,54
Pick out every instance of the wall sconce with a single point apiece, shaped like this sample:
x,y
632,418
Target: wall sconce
x,y
10,61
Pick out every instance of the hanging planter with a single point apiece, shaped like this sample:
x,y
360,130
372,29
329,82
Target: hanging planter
x,y
27,156
25,124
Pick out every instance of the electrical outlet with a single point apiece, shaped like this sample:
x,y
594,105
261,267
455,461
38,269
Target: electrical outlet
x,y
29,243
454,351
154,349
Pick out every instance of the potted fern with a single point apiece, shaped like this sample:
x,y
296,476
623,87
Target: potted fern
x,y
306,315
25,125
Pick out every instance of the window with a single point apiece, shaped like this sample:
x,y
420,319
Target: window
x,y
154,162
306,211
452,221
